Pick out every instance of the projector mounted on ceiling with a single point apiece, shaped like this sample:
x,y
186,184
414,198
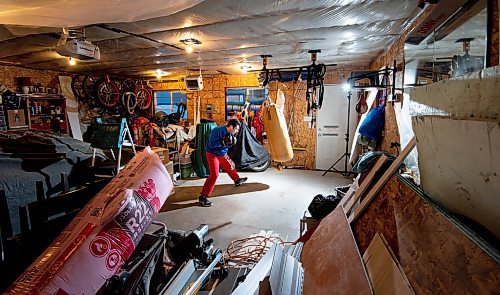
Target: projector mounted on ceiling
x,y
73,44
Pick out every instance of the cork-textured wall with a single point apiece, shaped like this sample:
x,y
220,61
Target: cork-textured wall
x,y
435,255
214,93
494,38
386,58
303,137
9,75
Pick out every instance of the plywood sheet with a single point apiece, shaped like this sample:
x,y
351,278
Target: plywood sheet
x,y
435,255
331,260
464,156
383,179
475,96
383,271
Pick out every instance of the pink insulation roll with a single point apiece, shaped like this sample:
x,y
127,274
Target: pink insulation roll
x,y
94,246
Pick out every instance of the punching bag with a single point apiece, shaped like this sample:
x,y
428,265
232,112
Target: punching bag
x,y
280,146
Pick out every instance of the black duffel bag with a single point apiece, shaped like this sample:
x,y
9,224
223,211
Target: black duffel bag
x,y
321,205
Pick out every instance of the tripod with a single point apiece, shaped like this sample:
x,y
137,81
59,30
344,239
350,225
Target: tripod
x,y
346,154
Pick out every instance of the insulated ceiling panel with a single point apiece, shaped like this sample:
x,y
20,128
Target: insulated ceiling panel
x,y
231,32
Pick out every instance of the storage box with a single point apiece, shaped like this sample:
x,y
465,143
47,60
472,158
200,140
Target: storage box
x,y
162,153
170,167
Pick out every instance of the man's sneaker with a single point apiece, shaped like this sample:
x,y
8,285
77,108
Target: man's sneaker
x,y
203,200
240,181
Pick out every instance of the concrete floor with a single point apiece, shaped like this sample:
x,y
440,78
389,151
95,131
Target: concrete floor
x,y
271,200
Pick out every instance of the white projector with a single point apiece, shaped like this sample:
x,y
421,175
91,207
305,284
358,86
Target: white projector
x,y
79,49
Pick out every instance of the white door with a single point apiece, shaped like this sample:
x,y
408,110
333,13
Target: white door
x,y
332,127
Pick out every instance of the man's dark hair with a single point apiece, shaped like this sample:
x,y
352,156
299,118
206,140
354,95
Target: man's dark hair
x,y
233,122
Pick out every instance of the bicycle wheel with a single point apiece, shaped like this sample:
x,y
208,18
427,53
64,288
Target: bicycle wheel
x,y
108,94
89,83
144,98
129,101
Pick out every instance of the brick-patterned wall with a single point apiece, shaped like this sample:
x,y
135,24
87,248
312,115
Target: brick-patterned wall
x,y
9,75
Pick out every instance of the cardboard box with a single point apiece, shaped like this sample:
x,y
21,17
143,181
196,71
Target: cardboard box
x,y
162,153
170,167
16,119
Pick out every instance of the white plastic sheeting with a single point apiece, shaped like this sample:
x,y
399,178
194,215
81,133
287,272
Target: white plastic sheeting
x,y
62,13
231,32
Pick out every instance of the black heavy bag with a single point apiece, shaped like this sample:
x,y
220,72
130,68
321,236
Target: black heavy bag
x,y
321,205
247,153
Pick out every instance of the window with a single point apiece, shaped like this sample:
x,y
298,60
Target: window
x,y
236,98
168,101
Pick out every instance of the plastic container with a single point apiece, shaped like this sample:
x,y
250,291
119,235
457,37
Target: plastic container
x,y
186,170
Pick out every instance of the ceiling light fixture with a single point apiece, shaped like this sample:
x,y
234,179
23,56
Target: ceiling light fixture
x,y
189,44
71,61
159,73
245,68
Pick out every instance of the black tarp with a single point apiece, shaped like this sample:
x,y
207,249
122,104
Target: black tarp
x,y
29,156
248,153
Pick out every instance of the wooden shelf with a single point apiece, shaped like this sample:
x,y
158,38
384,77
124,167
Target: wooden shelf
x,y
47,97
47,115
43,96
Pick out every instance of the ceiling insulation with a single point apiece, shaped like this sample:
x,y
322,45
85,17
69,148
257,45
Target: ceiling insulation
x,y
135,39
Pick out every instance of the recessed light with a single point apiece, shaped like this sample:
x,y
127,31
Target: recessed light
x,y
189,49
191,41
157,62
244,68
71,61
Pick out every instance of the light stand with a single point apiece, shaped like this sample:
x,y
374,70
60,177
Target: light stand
x,y
346,154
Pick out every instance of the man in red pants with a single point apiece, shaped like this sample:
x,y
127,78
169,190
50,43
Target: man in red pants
x,y
216,151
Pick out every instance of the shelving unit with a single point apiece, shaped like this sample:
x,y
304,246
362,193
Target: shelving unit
x,y
47,112
173,152
3,118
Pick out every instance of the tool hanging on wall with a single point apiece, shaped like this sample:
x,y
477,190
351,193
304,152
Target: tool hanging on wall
x,y
315,86
361,106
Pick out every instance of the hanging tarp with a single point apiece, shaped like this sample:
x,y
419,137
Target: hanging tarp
x,y
198,158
